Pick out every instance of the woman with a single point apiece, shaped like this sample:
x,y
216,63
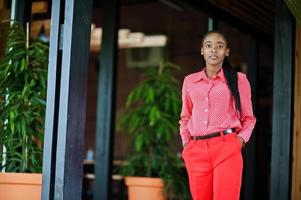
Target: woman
x,y
216,121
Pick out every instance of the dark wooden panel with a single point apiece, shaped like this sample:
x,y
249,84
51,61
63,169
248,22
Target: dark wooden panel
x,y
282,104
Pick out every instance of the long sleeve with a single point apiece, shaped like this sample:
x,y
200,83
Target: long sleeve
x,y
247,118
185,113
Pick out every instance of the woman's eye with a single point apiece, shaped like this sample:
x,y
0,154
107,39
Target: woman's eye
x,y
220,46
208,45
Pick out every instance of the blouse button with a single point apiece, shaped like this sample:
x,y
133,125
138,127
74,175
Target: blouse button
x,y
206,110
205,122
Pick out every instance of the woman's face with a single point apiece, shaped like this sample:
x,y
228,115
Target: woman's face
x,y
214,49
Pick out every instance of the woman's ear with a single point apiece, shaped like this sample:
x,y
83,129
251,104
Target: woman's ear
x,y
202,51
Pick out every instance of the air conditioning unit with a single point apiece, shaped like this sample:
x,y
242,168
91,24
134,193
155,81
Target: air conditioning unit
x,y
144,57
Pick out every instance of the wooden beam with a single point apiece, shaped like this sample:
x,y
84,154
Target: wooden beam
x,y
282,104
243,12
214,11
106,101
296,161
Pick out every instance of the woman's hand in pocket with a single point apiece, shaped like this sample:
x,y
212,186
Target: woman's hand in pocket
x,y
241,140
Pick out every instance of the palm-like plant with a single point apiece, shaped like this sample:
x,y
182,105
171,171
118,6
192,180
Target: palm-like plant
x,y
151,117
23,75
295,7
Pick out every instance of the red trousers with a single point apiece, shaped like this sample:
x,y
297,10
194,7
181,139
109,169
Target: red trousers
x,y
214,167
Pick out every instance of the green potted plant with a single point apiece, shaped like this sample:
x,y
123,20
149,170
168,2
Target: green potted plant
x,y
151,118
23,76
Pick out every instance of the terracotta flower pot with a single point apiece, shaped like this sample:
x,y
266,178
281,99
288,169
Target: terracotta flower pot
x,y
144,188
20,186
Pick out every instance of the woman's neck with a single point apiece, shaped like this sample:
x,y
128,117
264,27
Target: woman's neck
x,y
211,71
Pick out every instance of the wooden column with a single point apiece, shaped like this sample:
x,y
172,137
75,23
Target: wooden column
x,y
282,104
66,99
52,102
248,184
296,161
106,101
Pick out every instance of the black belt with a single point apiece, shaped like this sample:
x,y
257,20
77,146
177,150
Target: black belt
x,y
211,135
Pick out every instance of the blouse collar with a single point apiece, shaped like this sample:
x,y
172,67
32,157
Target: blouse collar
x,y
202,75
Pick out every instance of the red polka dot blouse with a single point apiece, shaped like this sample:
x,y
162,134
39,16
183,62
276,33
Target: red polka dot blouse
x,y
208,106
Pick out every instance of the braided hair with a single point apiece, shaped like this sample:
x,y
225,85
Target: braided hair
x,y
230,74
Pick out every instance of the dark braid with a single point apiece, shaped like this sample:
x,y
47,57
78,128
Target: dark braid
x,y
230,74
231,77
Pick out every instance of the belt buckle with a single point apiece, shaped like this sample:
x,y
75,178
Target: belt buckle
x,y
228,130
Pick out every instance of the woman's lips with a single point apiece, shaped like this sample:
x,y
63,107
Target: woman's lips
x,y
213,57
